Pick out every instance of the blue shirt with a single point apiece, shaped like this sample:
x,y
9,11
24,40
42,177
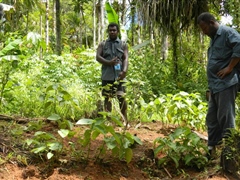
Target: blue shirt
x,y
223,47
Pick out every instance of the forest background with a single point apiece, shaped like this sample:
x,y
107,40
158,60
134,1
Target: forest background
x,y
48,57
48,67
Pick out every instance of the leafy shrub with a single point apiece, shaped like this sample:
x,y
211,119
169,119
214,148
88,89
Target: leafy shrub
x,y
119,143
182,147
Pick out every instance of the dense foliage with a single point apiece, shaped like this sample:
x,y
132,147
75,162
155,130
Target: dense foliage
x,y
166,81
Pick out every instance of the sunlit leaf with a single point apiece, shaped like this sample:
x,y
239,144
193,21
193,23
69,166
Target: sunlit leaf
x,y
55,146
33,37
85,121
49,155
39,149
63,132
54,117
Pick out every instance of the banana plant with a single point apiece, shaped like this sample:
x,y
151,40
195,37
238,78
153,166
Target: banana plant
x,y
113,17
111,13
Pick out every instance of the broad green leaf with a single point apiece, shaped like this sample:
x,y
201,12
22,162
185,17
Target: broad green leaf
x,y
54,117
12,45
126,143
145,43
55,146
29,141
117,120
87,138
43,135
128,155
111,14
34,37
10,57
117,138
110,143
49,155
39,149
100,129
137,139
95,134
85,121
49,88
130,137
115,151
63,132
69,123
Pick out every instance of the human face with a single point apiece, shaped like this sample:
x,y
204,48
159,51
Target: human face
x,y
208,28
113,32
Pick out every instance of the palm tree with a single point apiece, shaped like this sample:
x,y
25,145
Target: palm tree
x,y
171,18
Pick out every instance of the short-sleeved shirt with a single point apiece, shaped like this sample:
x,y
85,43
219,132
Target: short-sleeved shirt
x,y
223,47
111,49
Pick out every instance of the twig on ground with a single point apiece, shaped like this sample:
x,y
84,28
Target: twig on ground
x,y
167,172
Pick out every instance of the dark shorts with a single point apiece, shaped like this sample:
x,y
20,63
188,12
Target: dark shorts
x,y
112,88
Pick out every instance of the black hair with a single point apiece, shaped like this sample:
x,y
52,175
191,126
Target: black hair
x,y
113,25
206,17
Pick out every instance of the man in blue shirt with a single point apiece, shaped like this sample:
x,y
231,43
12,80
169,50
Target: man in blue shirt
x,y
223,56
113,55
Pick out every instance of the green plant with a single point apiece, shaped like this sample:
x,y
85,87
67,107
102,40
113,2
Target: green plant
x,y
181,108
35,125
186,109
57,99
62,123
119,143
230,157
182,147
46,145
9,57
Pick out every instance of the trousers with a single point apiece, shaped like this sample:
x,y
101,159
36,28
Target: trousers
x,y
221,114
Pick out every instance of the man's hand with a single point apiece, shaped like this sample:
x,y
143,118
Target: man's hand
x,y
122,75
225,71
113,61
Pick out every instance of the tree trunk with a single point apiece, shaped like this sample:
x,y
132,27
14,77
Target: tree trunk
x,y
58,28
80,27
123,13
164,48
132,22
47,24
54,17
102,19
100,12
94,24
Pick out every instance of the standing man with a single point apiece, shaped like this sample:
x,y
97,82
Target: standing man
x,y
223,56
113,55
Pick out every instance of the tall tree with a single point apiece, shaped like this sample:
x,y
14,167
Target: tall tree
x,y
58,28
94,23
47,24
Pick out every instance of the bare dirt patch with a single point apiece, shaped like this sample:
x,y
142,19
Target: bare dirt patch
x,y
69,167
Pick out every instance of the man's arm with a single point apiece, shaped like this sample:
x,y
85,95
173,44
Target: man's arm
x,y
99,57
225,71
125,63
